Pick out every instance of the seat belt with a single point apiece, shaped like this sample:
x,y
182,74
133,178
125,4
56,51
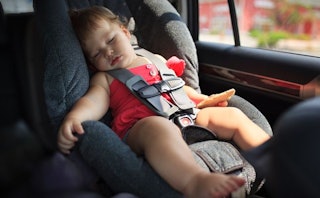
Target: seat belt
x,y
150,95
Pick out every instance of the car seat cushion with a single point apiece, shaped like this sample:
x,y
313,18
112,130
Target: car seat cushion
x,y
66,75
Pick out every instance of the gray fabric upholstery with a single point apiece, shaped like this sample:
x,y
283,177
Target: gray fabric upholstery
x,y
66,75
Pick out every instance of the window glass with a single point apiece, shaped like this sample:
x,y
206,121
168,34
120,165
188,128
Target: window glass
x,y
17,6
214,21
283,25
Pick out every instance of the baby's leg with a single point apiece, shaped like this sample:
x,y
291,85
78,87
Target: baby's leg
x,y
230,123
160,141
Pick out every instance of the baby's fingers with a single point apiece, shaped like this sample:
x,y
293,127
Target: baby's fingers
x,y
78,128
222,104
65,148
65,145
68,135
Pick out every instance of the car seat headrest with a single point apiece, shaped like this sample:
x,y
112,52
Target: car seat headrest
x,y
163,32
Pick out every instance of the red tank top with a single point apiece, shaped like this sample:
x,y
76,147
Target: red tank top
x,y
125,107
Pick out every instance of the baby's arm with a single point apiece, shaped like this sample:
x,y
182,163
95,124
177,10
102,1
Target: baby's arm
x,y
92,106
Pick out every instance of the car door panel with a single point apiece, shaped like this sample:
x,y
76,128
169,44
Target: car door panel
x,y
271,80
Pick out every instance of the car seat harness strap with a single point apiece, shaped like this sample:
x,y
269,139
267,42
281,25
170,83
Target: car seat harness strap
x,y
182,112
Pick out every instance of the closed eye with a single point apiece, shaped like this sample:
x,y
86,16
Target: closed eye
x,y
111,40
94,56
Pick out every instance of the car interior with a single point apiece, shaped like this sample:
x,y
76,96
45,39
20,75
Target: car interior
x,y
44,73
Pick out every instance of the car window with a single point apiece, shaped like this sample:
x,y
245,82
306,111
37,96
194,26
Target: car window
x,y
283,25
214,21
17,6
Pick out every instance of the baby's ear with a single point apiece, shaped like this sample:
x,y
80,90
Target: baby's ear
x,y
126,31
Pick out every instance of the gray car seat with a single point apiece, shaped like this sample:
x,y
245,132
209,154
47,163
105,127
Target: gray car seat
x,y
67,78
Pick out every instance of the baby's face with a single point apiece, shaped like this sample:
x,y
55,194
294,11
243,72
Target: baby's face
x,y
108,47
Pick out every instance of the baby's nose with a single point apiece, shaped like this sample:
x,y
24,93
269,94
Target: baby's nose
x,y
109,52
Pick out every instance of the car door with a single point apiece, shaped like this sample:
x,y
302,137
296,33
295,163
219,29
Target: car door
x,y
265,50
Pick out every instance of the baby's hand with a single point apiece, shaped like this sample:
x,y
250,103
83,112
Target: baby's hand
x,y
220,99
66,137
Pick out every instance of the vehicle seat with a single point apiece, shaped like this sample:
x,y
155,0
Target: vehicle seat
x,y
66,75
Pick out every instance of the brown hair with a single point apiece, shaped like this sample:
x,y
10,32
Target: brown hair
x,y
84,21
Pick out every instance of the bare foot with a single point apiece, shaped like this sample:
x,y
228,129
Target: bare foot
x,y
213,185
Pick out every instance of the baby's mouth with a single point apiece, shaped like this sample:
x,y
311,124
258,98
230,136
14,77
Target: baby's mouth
x,y
115,60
